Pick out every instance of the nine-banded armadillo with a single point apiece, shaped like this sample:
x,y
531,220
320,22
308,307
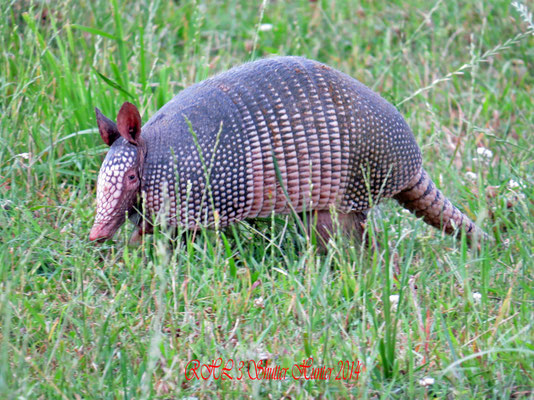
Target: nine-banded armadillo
x,y
276,135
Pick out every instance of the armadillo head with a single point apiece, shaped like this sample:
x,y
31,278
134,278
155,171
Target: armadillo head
x,y
119,180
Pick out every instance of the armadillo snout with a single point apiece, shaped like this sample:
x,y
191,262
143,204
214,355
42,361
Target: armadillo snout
x,y
117,188
101,232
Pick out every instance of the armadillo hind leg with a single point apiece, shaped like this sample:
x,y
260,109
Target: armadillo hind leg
x,y
424,199
325,225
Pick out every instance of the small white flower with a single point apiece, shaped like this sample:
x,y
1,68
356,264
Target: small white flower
x,y
259,302
512,185
261,353
485,153
476,297
394,301
426,381
264,355
471,176
265,27
26,156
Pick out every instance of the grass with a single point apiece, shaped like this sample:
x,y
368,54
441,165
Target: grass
x,y
112,321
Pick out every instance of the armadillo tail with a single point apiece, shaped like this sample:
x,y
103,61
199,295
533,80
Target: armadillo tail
x,y
424,199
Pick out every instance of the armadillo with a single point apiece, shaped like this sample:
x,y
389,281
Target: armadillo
x,y
278,135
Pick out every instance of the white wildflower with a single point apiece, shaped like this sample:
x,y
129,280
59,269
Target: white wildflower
x,y
259,302
485,153
394,301
471,176
512,185
476,297
426,381
264,355
514,195
265,27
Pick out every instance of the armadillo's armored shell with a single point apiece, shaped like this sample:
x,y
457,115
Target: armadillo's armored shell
x,y
273,134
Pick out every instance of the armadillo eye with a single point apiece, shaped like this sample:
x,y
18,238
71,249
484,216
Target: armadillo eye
x,y
131,177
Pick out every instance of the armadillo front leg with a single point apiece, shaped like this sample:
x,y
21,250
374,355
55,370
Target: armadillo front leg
x,y
143,228
325,225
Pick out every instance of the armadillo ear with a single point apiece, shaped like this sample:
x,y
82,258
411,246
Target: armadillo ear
x,y
108,128
129,123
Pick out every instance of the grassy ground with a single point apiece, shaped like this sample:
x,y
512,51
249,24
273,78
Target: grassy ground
x,y
85,321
